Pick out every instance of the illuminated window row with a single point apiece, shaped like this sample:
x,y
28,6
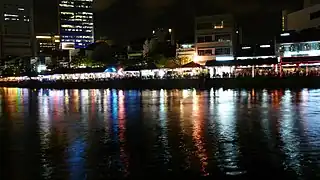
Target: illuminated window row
x,y
67,26
66,5
77,40
77,30
83,40
70,13
11,19
85,37
81,16
85,13
85,0
73,29
78,20
67,2
83,6
86,23
77,26
11,15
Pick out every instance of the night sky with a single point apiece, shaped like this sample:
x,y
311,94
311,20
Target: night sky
x,y
124,20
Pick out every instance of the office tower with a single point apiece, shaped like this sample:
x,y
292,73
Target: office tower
x,y
16,32
76,23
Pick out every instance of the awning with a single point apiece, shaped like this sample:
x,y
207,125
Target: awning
x,y
258,61
171,65
221,63
304,60
141,67
245,62
191,65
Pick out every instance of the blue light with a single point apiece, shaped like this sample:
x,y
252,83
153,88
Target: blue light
x,y
112,69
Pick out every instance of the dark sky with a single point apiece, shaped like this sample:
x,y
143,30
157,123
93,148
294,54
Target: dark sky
x,y
46,16
124,20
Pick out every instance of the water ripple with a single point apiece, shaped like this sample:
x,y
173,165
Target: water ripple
x,y
99,134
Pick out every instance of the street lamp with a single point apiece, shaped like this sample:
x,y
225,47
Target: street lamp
x,y
170,30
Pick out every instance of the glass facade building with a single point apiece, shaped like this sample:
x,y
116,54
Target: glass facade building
x,y
76,22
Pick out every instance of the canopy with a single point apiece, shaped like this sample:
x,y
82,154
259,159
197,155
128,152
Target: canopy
x,y
141,67
110,70
191,65
244,62
171,64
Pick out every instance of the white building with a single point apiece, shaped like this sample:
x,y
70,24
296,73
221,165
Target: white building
x,y
185,52
214,38
308,17
17,30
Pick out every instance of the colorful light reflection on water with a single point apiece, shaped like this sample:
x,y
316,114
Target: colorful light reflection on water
x,y
94,134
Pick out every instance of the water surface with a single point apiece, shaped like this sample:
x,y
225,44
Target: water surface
x,y
100,134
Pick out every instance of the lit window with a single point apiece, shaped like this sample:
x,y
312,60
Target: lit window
x,y
11,15
219,26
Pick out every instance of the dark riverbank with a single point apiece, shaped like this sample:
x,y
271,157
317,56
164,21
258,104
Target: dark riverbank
x,y
259,82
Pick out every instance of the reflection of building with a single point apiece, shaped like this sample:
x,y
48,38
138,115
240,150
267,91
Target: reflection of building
x,y
308,17
185,52
76,22
16,30
214,36
48,43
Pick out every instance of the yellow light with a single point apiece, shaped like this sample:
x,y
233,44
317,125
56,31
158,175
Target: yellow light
x,y
43,37
195,57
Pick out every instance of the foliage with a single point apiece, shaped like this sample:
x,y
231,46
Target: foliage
x,y
104,54
12,71
81,61
149,48
160,60
183,60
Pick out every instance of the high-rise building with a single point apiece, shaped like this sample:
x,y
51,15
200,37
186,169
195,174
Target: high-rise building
x,y
76,23
16,28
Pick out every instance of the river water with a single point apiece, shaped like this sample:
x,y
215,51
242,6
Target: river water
x,y
103,134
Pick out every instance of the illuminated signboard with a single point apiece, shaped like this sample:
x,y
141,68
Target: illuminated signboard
x,y
67,46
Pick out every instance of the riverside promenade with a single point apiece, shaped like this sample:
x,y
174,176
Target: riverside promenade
x,y
247,82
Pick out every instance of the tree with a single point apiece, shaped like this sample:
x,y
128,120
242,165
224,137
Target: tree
x,y
160,60
82,61
149,48
103,53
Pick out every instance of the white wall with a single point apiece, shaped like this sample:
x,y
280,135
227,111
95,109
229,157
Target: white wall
x,y
300,20
228,29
